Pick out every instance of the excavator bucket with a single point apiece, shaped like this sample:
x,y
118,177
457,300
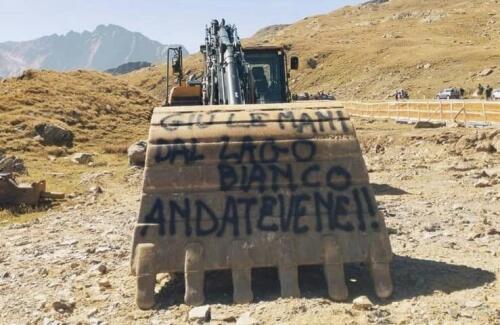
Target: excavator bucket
x,y
248,186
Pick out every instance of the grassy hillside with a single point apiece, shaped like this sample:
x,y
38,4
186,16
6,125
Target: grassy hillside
x,y
98,108
370,51
421,45
105,114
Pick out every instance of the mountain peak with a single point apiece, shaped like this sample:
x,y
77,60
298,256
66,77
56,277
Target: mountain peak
x,y
110,28
107,46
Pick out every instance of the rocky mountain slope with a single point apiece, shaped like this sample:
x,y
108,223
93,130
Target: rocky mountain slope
x,y
128,67
106,47
371,50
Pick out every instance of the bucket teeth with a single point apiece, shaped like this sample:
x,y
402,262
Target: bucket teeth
x,y
146,277
194,274
287,269
380,257
242,187
334,269
241,273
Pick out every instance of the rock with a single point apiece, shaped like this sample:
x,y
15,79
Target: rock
x,y
486,72
82,158
312,63
137,153
485,147
429,125
427,66
50,321
496,144
92,313
374,2
63,306
11,165
199,314
221,316
473,304
362,303
466,142
493,134
481,174
246,319
54,135
104,284
493,231
128,67
482,184
96,190
432,227
101,268
462,167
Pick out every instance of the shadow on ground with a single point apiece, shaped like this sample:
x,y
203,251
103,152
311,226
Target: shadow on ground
x,y
385,189
412,278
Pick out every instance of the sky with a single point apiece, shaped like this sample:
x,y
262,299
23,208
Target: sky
x,y
166,21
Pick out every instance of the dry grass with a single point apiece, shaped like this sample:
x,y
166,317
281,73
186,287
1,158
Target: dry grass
x,y
98,108
116,148
105,113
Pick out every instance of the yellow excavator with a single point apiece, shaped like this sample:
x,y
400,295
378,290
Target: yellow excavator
x,y
237,177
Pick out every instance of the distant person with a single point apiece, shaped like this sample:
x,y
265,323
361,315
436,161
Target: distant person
x,y
480,90
488,92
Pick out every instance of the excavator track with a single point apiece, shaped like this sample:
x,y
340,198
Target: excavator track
x,y
248,186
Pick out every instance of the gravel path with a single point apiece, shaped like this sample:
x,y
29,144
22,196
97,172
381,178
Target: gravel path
x,y
442,207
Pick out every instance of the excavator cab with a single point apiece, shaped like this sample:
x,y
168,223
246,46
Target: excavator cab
x,y
268,66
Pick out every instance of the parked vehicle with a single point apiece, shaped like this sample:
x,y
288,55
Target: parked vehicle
x,y
496,94
449,93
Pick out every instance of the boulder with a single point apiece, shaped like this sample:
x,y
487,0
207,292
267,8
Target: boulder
x,y
246,319
64,306
482,184
54,135
485,146
82,158
11,164
199,314
429,125
362,303
137,153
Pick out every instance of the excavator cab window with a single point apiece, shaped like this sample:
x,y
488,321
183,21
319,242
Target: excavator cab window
x,y
268,72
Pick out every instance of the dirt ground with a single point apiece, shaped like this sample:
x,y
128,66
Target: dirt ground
x,y
439,194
